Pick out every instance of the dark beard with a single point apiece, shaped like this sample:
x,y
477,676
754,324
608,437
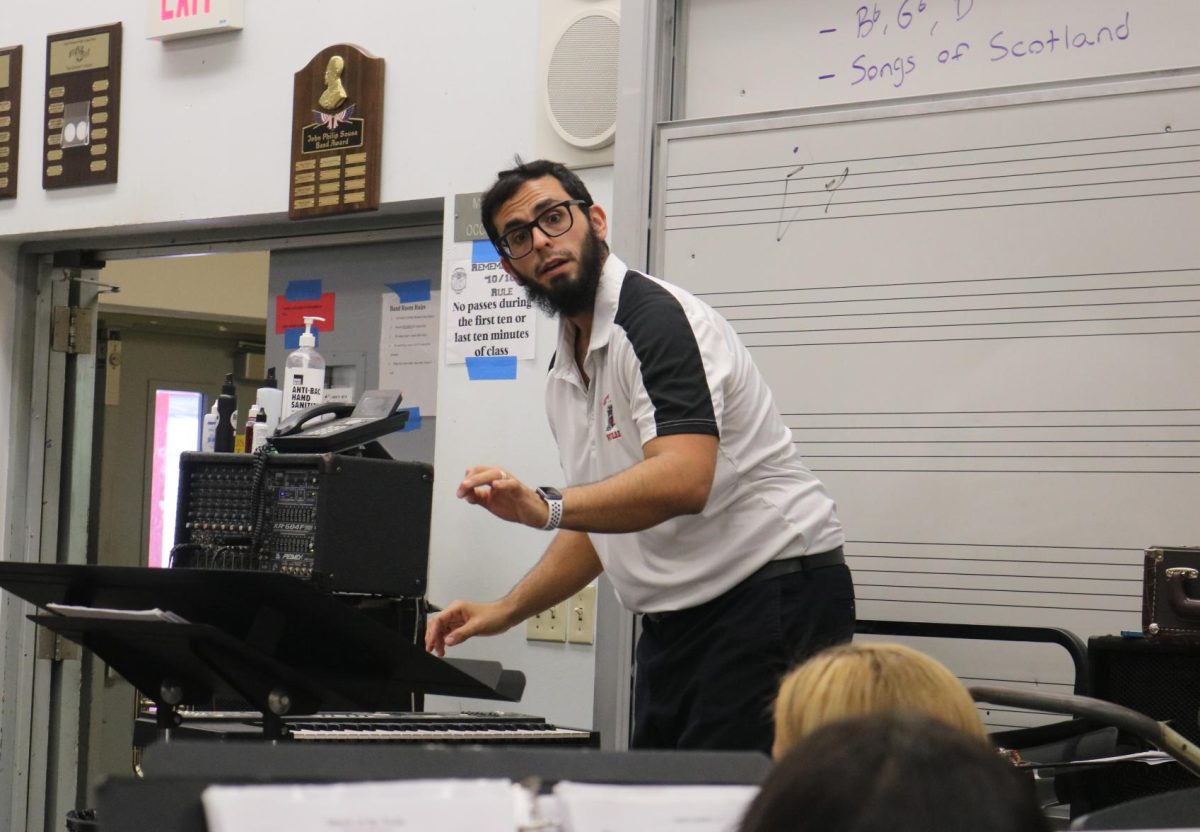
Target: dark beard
x,y
570,297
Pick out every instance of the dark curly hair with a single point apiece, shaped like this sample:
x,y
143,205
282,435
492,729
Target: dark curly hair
x,y
508,182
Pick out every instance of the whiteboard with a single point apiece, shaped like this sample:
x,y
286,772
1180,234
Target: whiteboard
x,y
980,318
744,56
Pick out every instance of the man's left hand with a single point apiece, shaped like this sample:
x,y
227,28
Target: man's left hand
x,y
503,495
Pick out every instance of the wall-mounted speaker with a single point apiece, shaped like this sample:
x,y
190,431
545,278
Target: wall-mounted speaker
x,y
577,79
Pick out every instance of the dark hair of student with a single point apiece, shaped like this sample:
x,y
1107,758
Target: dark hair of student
x,y
508,182
899,772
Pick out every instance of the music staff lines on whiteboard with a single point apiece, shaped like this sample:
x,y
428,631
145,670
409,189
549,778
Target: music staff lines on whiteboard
x,y
878,341
1085,442
939,296
941,283
1157,165
1155,133
943,311
990,192
957,179
975,603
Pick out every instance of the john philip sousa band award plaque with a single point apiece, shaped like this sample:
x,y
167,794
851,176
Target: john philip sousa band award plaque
x,y
82,111
337,134
10,118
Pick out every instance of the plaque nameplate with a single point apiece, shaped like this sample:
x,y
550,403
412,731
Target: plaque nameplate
x,y
79,54
10,118
83,88
337,121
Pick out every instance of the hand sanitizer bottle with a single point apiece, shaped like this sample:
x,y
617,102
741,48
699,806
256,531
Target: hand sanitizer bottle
x,y
304,373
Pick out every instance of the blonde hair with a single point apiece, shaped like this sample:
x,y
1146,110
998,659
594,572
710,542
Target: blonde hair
x,y
859,679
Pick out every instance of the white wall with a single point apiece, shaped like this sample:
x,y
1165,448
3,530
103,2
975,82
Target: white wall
x,y
478,557
204,134
204,122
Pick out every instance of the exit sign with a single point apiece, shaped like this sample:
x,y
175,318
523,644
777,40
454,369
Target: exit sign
x,y
170,19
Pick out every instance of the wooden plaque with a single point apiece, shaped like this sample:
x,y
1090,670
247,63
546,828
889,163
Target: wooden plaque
x,y
10,119
337,134
82,112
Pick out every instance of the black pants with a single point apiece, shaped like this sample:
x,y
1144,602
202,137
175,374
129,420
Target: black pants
x,y
707,676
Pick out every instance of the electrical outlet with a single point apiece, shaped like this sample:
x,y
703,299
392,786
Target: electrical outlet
x,y
581,616
549,625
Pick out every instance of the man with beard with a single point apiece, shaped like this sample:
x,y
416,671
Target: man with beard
x,y
682,483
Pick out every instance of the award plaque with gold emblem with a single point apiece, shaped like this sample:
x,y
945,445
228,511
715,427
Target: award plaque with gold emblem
x,y
337,134
10,118
82,114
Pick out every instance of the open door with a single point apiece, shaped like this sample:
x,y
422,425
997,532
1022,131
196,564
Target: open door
x,y
42,748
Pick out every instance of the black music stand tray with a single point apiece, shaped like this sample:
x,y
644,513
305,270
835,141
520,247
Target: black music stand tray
x,y
272,640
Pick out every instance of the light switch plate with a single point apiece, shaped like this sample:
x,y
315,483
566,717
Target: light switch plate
x,y
550,625
581,616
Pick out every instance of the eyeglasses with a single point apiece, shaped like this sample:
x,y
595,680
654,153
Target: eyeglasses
x,y
553,222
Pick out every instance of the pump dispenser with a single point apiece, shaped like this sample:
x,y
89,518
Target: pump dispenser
x,y
259,432
270,401
226,416
304,373
208,442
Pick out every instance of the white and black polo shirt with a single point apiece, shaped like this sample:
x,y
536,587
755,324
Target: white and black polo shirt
x,y
663,362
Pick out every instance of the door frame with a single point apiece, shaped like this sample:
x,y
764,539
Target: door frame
x,y
41,709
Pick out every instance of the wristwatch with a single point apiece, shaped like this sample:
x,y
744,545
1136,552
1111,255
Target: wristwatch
x,y
554,501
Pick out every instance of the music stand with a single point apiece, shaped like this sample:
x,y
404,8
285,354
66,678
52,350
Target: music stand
x,y
269,639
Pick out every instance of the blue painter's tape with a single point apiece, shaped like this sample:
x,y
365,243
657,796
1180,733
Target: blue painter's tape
x,y
492,368
291,337
414,419
413,291
303,290
482,251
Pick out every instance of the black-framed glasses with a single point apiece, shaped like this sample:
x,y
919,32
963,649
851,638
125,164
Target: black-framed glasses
x,y
553,222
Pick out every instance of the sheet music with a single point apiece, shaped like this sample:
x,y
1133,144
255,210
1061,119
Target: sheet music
x,y
445,805
155,614
587,807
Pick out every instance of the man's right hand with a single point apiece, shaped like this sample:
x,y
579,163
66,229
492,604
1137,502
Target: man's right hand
x,y
462,620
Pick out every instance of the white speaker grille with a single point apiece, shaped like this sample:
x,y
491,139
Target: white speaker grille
x,y
581,82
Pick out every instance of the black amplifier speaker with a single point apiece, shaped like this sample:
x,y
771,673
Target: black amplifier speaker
x,y
350,524
1158,679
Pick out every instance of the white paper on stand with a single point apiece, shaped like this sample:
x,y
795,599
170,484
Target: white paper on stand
x,y
597,808
409,805
71,611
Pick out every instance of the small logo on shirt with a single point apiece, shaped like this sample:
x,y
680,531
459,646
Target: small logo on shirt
x,y
610,422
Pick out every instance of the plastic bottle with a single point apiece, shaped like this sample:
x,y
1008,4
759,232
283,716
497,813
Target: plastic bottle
x,y
208,439
248,430
304,373
270,401
260,432
226,416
